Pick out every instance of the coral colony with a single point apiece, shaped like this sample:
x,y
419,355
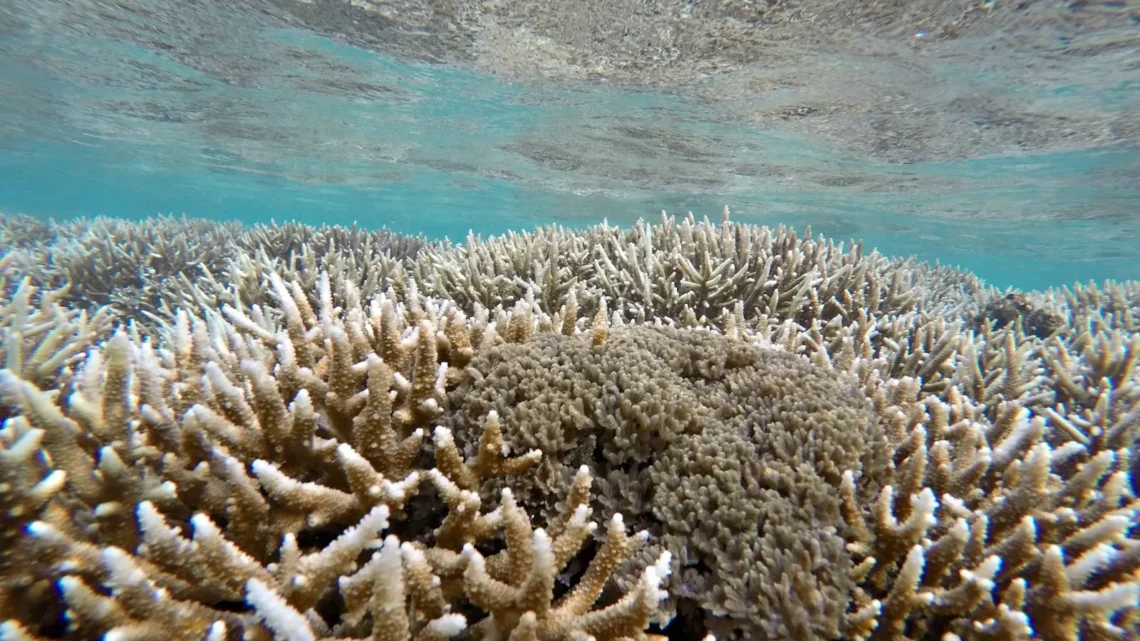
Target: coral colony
x,y
685,430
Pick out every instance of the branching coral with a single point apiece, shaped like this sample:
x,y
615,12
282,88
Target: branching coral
x,y
209,485
690,269
148,270
1002,531
40,337
836,446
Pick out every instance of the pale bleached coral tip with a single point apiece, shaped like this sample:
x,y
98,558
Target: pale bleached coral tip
x,y
580,514
217,631
541,541
493,415
200,521
411,553
448,625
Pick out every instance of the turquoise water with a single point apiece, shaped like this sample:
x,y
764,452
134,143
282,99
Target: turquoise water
x,y
286,123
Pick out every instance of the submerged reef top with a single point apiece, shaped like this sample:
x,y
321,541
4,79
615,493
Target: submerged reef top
x,y
676,430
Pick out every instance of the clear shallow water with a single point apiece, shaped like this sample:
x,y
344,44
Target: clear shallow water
x,y
245,116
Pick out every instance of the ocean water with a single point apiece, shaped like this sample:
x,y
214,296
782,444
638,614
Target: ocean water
x,y
214,435
1000,137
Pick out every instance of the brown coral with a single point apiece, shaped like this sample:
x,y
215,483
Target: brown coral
x,y
732,453
1006,509
208,486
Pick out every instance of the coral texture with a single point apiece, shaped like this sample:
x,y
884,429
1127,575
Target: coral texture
x,y
732,453
228,481
818,443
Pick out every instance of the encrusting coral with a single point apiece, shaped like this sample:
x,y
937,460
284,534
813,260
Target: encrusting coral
x,y
733,454
963,479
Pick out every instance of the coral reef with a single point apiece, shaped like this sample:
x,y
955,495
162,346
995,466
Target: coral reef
x,y
148,270
1017,308
733,454
182,491
810,441
39,335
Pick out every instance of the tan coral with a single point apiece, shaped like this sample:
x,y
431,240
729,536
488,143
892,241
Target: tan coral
x,y
1016,443
150,521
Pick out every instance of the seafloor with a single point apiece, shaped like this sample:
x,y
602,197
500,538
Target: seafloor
x,y
686,428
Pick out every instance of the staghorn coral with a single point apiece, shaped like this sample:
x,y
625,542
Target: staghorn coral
x,y
127,265
972,410
1113,306
688,270
145,270
39,336
227,481
1007,530
23,231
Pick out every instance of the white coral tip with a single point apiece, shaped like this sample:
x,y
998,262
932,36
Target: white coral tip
x,y
448,625
217,631
581,513
411,553
664,564
442,436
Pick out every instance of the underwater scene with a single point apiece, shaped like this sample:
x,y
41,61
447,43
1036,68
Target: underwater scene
x,y
554,320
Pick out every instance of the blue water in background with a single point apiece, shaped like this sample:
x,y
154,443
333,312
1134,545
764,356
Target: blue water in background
x,y
434,150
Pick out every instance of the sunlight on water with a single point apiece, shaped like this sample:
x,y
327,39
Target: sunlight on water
x,y
268,121
570,320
